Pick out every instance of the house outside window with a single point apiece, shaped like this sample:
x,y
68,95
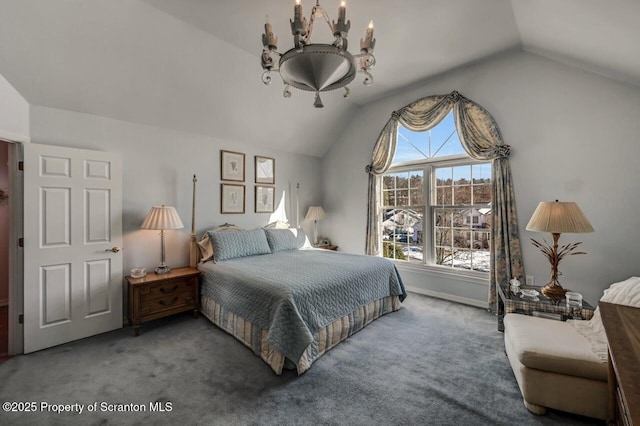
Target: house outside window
x,y
436,202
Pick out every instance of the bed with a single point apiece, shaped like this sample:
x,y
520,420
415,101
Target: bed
x,y
291,303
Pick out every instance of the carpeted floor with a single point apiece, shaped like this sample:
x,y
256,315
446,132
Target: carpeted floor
x,y
431,363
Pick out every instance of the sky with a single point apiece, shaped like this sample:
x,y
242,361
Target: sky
x,y
440,141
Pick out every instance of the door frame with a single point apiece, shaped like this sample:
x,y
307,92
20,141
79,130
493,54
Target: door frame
x,y
16,257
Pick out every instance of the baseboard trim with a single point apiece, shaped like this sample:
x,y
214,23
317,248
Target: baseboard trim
x,y
4,302
451,297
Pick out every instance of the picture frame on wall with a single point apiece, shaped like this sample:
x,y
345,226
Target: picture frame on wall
x,y
265,199
231,166
232,198
265,170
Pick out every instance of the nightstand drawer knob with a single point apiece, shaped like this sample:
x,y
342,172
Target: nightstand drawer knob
x,y
165,291
113,250
163,303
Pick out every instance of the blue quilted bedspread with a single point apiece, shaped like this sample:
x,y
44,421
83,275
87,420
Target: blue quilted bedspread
x,y
295,293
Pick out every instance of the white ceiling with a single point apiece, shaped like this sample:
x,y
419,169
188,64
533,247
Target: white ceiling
x,y
193,65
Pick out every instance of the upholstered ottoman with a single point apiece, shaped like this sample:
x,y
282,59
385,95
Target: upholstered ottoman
x,y
555,366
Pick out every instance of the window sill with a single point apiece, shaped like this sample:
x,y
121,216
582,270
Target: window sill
x,y
472,277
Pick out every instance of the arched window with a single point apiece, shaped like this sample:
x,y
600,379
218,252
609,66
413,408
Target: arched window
x,y
435,201
443,190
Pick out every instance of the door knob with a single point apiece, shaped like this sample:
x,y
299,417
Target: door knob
x,y
114,249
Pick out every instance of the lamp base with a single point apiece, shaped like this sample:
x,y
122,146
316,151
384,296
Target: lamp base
x,y
553,291
162,269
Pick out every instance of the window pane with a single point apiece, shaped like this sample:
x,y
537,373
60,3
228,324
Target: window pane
x,y
416,197
462,175
388,182
444,176
443,237
411,146
480,260
402,197
444,196
481,173
416,179
392,250
460,218
462,239
444,256
462,194
481,194
403,234
444,138
388,198
442,217
440,141
481,240
402,180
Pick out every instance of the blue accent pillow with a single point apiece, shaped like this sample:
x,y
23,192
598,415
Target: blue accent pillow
x,y
285,239
234,244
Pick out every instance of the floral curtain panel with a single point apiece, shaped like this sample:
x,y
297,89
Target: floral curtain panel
x,y
481,139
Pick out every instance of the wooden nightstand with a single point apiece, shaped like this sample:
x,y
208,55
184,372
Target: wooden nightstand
x,y
155,296
327,247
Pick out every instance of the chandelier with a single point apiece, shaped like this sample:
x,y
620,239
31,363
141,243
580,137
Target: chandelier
x,y
317,67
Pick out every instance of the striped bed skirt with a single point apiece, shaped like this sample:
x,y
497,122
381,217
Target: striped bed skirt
x,y
326,338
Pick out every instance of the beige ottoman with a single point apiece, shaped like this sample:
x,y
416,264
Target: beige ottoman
x,y
555,366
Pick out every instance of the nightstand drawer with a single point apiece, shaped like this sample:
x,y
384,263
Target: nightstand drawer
x,y
176,301
171,288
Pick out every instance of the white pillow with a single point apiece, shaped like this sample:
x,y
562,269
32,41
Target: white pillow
x,y
623,293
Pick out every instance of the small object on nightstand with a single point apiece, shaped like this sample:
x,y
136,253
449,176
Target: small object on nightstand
x,y
328,247
138,272
159,295
515,285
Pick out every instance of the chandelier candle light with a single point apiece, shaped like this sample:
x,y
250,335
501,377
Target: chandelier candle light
x,y
557,217
317,67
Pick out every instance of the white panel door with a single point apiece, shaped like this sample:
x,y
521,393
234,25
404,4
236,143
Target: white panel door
x,y
72,220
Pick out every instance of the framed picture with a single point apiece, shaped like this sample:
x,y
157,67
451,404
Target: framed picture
x,y
264,199
265,170
232,198
231,166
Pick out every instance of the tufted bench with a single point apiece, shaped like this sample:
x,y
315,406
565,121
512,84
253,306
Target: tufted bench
x,y
555,366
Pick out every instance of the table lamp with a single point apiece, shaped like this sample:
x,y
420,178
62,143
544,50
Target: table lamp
x,y
315,213
162,217
557,217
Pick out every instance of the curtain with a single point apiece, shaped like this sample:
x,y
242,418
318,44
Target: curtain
x,y
481,139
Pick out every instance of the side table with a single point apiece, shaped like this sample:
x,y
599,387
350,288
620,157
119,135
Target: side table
x,y
512,303
159,295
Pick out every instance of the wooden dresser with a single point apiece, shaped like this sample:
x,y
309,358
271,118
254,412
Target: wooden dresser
x,y
622,326
155,296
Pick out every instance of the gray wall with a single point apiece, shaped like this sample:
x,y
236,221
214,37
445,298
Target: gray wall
x,y
158,168
574,137
14,112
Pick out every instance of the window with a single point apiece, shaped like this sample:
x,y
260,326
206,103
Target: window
x,y
436,201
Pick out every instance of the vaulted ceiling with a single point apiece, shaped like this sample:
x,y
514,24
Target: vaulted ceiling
x,y
193,65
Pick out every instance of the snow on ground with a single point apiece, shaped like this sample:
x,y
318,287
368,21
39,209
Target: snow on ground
x,y
462,259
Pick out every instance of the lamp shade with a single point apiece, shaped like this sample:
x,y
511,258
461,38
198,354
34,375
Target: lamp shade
x,y
559,217
315,213
162,217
